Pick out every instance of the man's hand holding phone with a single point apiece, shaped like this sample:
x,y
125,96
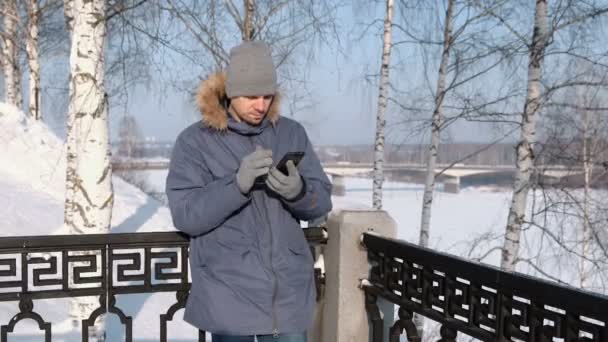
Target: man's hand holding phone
x,y
287,185
253,166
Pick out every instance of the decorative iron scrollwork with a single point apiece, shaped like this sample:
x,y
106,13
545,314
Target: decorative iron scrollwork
x,y
51,261
480,301
122,269
91,266
7,275
170,270
101,265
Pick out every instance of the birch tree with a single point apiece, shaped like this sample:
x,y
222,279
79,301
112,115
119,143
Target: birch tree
x,y
436,122
378,172
589,142
33,59
68,11
525,145
429,185
566,239
247,29
570,17
590,146
89,195
10,54
468,51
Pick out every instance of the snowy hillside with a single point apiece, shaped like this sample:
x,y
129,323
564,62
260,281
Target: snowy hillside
x,y
32,180
31,203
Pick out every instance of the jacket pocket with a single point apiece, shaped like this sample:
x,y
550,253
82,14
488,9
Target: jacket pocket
x,y
299,269
227,247
299,252
229,238
297,248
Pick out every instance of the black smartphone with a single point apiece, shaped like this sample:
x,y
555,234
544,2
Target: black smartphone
x,y
296,157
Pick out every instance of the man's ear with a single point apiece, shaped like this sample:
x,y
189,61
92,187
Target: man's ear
x,y
232,113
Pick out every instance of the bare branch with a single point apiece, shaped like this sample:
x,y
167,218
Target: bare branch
x,y
577,20
219,58
234,13
120,8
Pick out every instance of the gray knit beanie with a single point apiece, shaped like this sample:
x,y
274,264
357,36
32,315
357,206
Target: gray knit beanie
x,y
250,71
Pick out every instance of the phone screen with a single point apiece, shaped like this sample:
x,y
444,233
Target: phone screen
x,y
296,157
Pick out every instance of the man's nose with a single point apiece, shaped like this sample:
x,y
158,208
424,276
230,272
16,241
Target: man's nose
x,y
258,105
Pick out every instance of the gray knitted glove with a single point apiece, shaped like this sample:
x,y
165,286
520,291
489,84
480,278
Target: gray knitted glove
x,y
290,186
252,166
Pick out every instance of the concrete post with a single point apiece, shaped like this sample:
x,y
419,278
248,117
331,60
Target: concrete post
x,y
338,185
451,185
344,318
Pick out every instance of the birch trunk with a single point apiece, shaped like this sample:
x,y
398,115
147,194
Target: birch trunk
x,y
437,119
33,60
436,122
382,102
89,196
68,11
248,21
10,55
525,146
591,123
587,169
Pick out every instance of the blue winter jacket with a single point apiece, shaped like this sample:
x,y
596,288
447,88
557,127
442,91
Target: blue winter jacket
x,y
252,269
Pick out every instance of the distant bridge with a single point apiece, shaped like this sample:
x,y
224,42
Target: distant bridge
x,y
461,175
453,178
141,164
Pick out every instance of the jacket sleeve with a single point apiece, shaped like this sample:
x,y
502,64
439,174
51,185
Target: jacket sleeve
x,y
315,199
198,203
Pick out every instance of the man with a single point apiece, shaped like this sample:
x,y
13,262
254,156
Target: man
x,y
252,270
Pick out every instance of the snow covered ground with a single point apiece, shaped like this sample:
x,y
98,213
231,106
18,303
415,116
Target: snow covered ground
x,y
457,219
469,223
31,203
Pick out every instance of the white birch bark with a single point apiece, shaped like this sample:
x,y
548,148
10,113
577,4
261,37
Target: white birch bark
x,y
89,195
437,119
436,122
587,169
10,54
382,102
525,146
68,11
33,59
248,21
591,127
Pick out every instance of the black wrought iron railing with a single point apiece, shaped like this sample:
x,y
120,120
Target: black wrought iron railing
x,y
101,265
477,300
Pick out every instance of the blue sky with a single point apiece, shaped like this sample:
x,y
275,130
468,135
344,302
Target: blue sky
x,y
344,99
343,96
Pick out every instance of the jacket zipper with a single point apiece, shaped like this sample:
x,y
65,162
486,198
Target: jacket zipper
x,y
275,285
275,328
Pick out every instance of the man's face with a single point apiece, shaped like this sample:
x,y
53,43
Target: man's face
x,y
251,109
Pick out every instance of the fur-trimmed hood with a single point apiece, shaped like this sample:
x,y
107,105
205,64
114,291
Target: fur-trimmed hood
x,y
211,101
